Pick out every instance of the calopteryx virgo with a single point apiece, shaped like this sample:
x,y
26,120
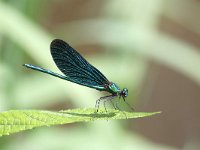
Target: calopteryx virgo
x,y
76,69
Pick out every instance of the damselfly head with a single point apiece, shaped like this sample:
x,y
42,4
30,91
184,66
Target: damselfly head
x,y
124,92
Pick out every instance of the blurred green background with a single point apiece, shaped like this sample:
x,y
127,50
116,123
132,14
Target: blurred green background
x,y
151,47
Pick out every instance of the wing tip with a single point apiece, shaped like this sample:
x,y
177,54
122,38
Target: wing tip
x,y
58,42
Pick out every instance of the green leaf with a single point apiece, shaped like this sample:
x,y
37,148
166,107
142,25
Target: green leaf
x,y
18,120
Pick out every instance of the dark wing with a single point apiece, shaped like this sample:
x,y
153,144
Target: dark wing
x,y
75,67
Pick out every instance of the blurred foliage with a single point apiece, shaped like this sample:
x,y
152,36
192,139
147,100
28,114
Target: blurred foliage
x,y
129,37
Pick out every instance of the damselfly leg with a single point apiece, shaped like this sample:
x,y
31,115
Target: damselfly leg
x,y
104,99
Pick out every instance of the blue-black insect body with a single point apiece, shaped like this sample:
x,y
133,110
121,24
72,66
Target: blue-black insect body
x,y
76,69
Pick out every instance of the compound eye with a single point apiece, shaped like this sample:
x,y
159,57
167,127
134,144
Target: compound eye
x,y
125,92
